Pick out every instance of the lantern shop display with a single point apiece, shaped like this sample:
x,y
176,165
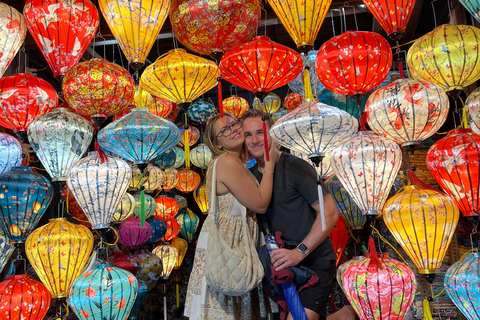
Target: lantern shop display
x,y
201,156
297,85
292,101
10,152
189,224
188,180
193,134
201,198
235,105
149,205
12,35
125,208
270,104
181,246
171,179
343,102
165,160
132,233
168,254
6,250
173,228
166,208
159,228
200,111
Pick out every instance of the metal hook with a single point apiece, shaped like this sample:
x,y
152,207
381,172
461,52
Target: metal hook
x,y
347,5
333,21
434,14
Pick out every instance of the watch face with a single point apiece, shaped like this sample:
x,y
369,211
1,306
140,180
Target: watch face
x,y
302,247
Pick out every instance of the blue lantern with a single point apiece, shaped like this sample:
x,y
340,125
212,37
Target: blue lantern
x,y
24,197
105,292
343,102
297,85
139,136
150,205
166,160
277,115
141,297
10,152
200,111
159,228
189,222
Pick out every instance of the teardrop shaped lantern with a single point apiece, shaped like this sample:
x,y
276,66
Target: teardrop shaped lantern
x,y
22,297
297,85
201,156
59,138
201,198
132,233
135,26
188,180
367,166
292,101
423,222
24,197
99,186
24,98
189,222
271,103
14,34
166,159
179,76
105,292
343,102
171,179
447,56
181,246
159,228
235,105
168,254
407,111
62,30
125,209
149,205
354,62
98,88
10,152
58,268
454,163
260,65
200,111
166,208
173,228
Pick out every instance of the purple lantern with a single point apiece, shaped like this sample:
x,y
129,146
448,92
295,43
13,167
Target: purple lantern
x,y
132,233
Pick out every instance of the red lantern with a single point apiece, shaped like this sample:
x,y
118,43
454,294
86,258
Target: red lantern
x,y
173,228
166,208
354,62
235,105
174,113
454,163
74,208
261,65
339,237
292,100
62,29
24,98
188,181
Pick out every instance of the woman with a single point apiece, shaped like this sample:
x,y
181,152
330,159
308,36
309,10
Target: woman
x,y
235,185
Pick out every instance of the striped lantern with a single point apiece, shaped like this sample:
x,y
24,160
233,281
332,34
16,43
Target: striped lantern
x,y
10,152
188,180
159,228
189,222
168,254
166,208
173,228
270,104
201,198
125,208
179,157
201,156
171,179
151,181
181,246
343,102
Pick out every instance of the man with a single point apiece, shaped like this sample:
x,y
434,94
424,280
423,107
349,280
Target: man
x,y
295,211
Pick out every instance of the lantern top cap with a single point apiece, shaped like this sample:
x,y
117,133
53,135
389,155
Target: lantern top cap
x,y
19,277
179,50
58,219
22,169
458,131
257,38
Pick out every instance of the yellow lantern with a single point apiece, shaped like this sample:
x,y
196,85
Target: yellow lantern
x,y
171,179
271,103
135,25
181,245
447,56
179,76
168,254
423,223
59,251
201,198
125,209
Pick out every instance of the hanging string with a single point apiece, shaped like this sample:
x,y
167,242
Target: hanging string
x,y
100,153
116,238
399,62
220,100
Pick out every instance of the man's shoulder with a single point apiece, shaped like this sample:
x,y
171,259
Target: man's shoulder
x,y
294,162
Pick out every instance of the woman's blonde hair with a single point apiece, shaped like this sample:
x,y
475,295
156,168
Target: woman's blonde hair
x,y
211,137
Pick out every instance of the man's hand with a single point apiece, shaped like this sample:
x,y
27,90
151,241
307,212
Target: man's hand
x,y
284,258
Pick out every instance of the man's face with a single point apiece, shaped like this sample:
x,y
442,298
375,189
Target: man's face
x,y
253,131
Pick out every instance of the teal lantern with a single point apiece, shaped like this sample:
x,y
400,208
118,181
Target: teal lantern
x,y
166,160
189,222
24,197
150,205
343,102
200,111
105,292
179,157
141,297
280,113
201,156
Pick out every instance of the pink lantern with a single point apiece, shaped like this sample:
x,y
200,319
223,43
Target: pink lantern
x,y
132,233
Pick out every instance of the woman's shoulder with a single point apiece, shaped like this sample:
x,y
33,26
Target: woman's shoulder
x,y
228,160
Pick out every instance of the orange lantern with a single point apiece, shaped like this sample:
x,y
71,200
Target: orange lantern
x,y
201,198
188,181
339,237
173,228
166,208
235,105
292,100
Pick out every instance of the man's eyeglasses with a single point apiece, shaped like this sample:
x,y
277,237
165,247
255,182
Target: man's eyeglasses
x,y
227,131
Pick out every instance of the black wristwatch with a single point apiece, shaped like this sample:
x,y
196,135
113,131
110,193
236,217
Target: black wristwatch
x,y
302,247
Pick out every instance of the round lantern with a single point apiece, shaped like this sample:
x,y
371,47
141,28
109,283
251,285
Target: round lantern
x,y
125,208
182,203
171,179
168,254
193,134
139,301
407,111
200,111
74,208
59,138
166,159
354,62
235,105
260,65
292,101
179,157
6,250
145,265
132,233
13,34
135,26
58,268
446,56
173,228
201,156
88,92
105,292
159,228
454,163
98,185
24,197
10,151
152,180
166,208
278,115
324,170
149,203
201,198
62,30
271,103
188,180
22,297
179,76
181,246
343,102
23,99
367,166
189,222
472,106
339,237
297,85
423,222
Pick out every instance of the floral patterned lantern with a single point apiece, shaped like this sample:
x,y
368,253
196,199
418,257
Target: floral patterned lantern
x,y
354,62
85,88
74,208
171,179
454,163
159,228
145,265
343,267
407,111
200,111
179,157
105,292
24,197
59,138
189,222
297,85
235,105
181,246
339,237
271,103
10,152
168,254
292,101
201,156
149,205
367,166
57,269
279,114
423,222
343,102
125,208
13,33
173,228
135,26
22,297
166,159
6,250
188,181
193,134
132,233
166,208
62,30
23,99
98,185
201,198
174,113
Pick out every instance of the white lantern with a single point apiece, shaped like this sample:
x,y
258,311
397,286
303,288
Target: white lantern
x,y
168,254
125,209
10,152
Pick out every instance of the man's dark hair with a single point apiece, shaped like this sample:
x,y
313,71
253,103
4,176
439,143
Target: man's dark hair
x,y
254,113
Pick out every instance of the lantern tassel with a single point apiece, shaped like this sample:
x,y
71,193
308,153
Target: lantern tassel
x,y
187,149
306,83
142,207
374,260
220,102
363,120
427,313
265,141
100,153
320,203
416,181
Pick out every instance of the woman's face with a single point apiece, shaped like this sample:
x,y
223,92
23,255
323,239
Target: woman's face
x,y
228,132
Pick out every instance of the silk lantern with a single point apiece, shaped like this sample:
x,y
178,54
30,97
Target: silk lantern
x,y
168,254
24,98
159,228
171,179
62,30
193,134
179,157
174,113
407,111
472,106
297,85
181,246
367,166
58,268
152,180
173,228
12,34
446,56
98,88
142,99
166,208
201,198
74,208
105,292
343,102
473,7
166,159
6,250
22,297
135,26
182,203
59,138
200,111
353,62
292,101
270,104
188,180
342,268
235,105
125,208
149,205
189,224
24,197
454,163
132,233
98,185
139,301
201,156
324,170
339,237
423,222
10,152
